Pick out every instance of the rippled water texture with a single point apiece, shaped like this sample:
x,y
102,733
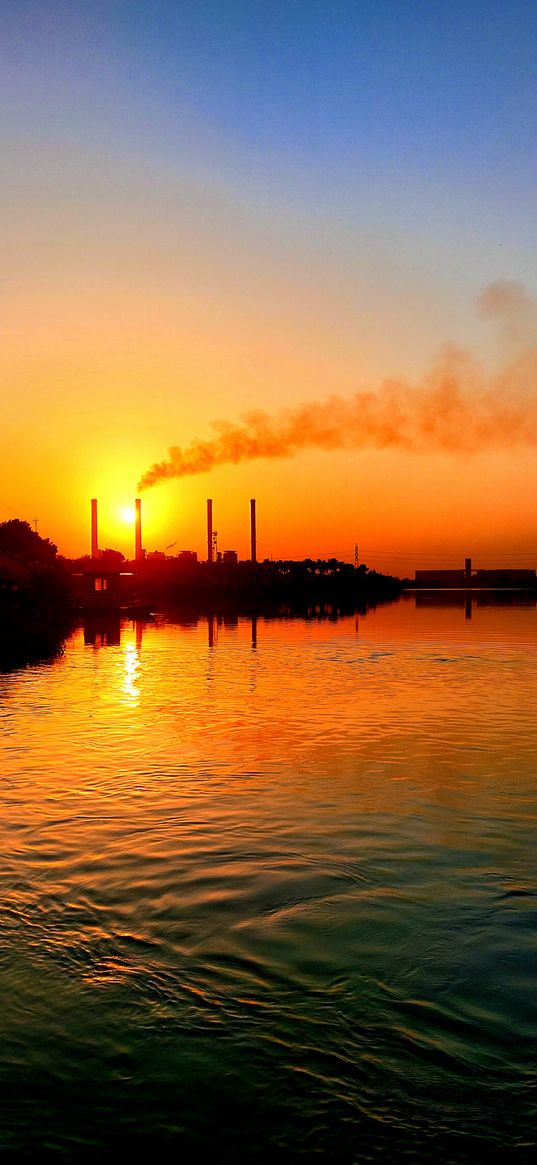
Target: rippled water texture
x,y
269,890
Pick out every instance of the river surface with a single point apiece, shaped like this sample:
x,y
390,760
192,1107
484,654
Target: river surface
x,y
269,889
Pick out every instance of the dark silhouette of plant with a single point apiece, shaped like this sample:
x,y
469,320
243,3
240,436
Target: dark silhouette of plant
x,y
35,595
18,540
111,559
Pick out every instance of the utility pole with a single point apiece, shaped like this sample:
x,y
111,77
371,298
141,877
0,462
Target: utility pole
x,y
35,524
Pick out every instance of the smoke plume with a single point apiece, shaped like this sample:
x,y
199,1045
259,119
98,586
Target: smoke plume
x,y
510,306
457,408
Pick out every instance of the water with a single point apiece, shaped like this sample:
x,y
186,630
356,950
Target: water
x,y
269,890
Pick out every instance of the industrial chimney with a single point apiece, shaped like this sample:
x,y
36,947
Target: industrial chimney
x,y
253,537
209,530
94,538
138,553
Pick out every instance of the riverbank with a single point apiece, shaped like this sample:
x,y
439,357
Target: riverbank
x,y
166,582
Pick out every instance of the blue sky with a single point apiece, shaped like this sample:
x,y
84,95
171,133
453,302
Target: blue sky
x,y
384,116
428,88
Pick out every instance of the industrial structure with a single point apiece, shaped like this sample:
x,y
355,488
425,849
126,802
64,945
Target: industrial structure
x,y
253,532
468,578
138,552
94,535
209,530
228,557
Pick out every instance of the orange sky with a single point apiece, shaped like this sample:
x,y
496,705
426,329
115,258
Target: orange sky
x,y
166,273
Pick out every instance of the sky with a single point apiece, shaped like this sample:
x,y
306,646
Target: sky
x,y
226,218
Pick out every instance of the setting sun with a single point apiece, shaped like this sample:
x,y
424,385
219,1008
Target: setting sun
x,y
127,514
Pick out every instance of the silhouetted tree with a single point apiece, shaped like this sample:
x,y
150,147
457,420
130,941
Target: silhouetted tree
x,y
21,542
111,559
81,563
35,595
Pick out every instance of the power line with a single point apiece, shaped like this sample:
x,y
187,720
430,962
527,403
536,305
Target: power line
x,y
404,555
406,561
442,551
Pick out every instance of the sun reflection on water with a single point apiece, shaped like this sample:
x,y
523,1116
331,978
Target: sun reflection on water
x,y
131,662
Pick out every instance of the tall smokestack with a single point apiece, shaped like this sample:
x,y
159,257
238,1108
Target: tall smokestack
x,y
209,530
138,529
94,538
253,538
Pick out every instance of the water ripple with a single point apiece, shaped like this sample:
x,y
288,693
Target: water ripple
x,y
282,899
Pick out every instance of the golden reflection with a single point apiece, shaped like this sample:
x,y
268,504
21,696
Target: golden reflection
x,y
423,699
131,663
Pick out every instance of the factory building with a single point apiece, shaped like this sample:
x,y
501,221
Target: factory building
x,y
466,577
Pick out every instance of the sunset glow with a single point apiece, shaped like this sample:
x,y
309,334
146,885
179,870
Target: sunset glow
x,y
268,581
188,257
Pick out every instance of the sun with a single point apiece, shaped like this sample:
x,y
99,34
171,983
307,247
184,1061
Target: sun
x,y
127,514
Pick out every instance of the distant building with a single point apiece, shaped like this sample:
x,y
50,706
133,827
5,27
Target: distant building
x,y
504,578
230,557
475,578
440,578
101,588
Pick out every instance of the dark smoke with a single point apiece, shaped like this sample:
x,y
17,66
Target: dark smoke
x,y
457,408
